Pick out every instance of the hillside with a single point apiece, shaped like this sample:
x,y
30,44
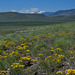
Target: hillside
x,y
14,16
23,17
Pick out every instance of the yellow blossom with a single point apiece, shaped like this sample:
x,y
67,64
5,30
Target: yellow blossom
x,y
59,72
40,54
27,50
69,71
34,60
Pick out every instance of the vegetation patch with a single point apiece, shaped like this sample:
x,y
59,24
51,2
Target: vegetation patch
x,y
40,50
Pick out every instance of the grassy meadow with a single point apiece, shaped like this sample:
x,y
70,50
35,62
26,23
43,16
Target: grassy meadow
x,y
37,48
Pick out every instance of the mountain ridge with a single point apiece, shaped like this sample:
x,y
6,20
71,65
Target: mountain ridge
x,y
23,17
60,12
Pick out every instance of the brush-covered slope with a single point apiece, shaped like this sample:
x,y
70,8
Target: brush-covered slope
x,y
22,17
14,16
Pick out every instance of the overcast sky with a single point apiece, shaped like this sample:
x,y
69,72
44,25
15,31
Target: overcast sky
x,y
31,6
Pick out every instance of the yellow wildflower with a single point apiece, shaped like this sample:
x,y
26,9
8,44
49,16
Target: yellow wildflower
x,y
47,58
34,60
70,71
40,54
27,50
59,72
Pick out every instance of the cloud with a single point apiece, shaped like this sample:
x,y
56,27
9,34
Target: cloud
x,y
31,10
34,9
13,10
41,12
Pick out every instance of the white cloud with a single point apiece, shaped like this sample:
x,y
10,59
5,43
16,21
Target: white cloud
x,y
31,10
34,9
22,11
41,12
13,10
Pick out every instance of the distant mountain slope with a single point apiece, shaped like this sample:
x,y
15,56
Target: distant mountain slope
x,y
14,16
46,13
60,12
22,17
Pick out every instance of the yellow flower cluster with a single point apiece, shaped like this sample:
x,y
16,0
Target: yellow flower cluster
x,y
21,48
27,43
11,54
70,52
0,50
58,60
40,54
17,65
38,45
3,72
73,47
2,57
4,42
14,52
22,39
51,50
27,50
62,34
69,33
70,72
34,60
55,54
27,69
24,58
47,58
72,57
9,43
59,72
22,44
61,56
58,49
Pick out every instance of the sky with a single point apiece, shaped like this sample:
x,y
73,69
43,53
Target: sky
x,y
31,6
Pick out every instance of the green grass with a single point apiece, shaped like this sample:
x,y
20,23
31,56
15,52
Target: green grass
x,y
43,47
11,29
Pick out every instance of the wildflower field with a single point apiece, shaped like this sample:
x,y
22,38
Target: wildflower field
x,y
37,49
